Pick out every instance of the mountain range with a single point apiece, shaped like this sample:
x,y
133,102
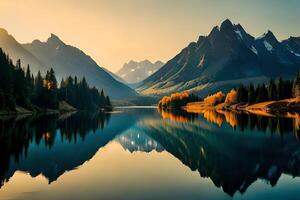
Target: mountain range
x,y
225,58
134,72
66,60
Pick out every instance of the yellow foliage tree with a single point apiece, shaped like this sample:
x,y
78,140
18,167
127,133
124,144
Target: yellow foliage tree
x,y
215,99
231,97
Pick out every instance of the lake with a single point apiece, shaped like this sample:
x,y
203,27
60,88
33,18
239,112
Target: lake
x,y
141,153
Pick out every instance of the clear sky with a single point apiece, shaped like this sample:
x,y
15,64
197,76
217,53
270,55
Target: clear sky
x,y
116,31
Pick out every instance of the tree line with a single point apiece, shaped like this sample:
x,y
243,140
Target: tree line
x,y
276,90
79,94
20,87
177,100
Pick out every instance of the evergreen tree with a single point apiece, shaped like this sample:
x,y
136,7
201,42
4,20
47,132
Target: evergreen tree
x,y
272,91
6,82
262,93
280,89
20,85
296,85
242,94
39,90
251,94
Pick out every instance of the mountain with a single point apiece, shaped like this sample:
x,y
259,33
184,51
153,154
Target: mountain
x,y
16,51
68,60
293,44
118,78
225,58
134,72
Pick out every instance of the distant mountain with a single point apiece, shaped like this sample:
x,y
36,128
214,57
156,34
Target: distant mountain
x,y
134,72
293,45
16,51
228,56
68,60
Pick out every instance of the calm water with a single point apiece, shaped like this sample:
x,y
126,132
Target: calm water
x,y
139,153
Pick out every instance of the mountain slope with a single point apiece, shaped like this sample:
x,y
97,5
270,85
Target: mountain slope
x,y
228,55
118,78
134,72
68,60
16,51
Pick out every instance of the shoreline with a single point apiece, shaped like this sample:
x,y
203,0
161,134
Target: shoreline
x,y
269,108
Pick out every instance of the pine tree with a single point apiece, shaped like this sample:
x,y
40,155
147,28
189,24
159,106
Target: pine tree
x,y
262,93
272,91
39,90
296,85
251,94
280,89
242,94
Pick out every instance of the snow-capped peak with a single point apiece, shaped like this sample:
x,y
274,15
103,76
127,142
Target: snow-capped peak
x,y
268,46
239,33
253,49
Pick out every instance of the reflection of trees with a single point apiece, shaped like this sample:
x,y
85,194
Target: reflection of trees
x,y
244,121
231,161
177,115
213,116
14,141
17,135
80,124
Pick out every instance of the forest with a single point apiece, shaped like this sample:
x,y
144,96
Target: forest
x,y
177,100
275,90
19,87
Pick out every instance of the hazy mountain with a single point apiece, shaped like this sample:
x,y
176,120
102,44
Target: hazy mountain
x,y
16,51
225,58
134,72
68,60
118,78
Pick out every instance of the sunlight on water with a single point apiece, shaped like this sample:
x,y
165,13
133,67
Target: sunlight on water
x,y
145,154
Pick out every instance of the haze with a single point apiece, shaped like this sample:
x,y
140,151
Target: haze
x,y
114,32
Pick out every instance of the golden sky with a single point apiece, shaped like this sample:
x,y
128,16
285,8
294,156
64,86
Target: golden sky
x,y
116,31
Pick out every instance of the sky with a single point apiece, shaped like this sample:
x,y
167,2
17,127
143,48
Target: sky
x,y
113,32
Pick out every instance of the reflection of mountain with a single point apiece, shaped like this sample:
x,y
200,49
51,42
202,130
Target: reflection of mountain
x,y
50,147
134,140
232,161
233,155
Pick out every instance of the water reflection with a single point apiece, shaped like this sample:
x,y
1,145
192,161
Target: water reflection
x,y
233,150
17,135
178,115
232,161
244,121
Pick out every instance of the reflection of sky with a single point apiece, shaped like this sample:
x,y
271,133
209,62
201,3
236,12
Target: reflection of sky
x,y
117,174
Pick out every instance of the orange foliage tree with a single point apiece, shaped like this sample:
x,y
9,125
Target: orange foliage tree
x,y
231,97
177,100
215,99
